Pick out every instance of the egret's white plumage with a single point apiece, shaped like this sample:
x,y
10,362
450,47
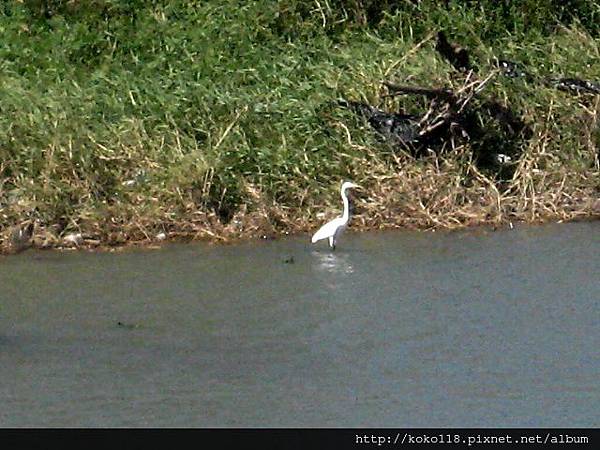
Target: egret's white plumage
x,y
332,230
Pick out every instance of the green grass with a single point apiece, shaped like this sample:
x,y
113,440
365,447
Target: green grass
x,y
122,119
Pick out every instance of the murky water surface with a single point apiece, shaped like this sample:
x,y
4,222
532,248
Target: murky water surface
x,y
397,329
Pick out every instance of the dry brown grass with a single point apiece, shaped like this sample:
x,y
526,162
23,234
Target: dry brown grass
x,y
427,194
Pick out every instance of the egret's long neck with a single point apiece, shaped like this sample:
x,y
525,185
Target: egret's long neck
x,y
346,214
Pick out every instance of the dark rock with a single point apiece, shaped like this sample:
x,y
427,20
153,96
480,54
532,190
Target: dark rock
x,y
454,53
576,86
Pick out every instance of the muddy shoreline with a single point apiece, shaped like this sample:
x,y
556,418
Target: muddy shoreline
x,y
84,243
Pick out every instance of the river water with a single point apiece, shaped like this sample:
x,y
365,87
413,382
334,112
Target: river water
x,y
395,329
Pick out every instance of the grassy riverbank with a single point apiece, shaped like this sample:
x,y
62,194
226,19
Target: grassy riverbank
x,y
122,120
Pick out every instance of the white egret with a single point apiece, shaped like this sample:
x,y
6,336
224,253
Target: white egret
x,y
332,230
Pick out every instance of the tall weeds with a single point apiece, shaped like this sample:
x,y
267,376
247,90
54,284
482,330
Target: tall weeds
x,y
121,120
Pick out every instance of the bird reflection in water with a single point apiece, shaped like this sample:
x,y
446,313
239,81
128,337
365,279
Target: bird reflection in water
x,y
338,263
